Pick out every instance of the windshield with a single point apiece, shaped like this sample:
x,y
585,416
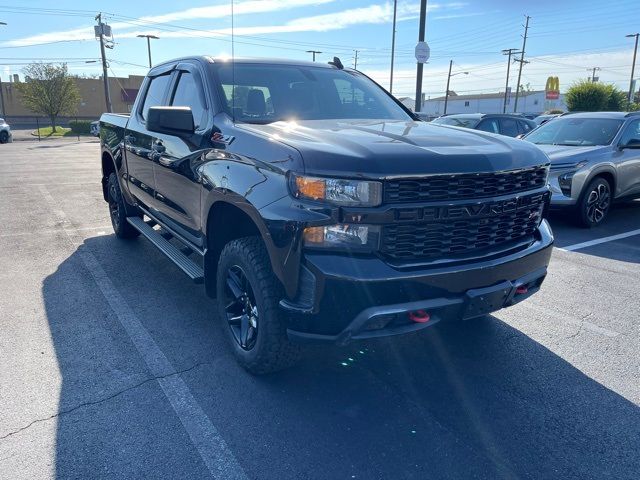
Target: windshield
x,y
467,122
576,131
256,93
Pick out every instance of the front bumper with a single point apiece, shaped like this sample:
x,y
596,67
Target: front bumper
x,y
354,298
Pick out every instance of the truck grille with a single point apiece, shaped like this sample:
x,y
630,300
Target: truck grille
x,y
456,187
458,236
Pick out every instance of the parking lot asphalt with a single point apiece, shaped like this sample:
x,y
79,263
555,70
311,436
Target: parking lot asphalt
x,y
112,364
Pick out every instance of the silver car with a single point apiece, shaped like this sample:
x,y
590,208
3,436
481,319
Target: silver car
x,y
5,131
595,159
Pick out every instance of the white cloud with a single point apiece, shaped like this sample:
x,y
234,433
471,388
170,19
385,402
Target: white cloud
x,y
373,14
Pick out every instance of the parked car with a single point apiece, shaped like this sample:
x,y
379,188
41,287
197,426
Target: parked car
x,y
316,208
544,118
509,125
94,128
5,132
595,159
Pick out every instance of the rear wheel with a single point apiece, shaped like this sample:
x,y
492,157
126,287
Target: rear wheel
x,y
117,210
595,203
247,299
4,136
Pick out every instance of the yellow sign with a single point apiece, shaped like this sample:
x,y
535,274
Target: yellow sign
x,y
552,88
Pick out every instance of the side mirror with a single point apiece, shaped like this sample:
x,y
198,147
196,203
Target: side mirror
x,y
632,143
176,121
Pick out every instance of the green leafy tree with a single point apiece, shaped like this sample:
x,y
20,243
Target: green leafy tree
x,y
48,89
586,96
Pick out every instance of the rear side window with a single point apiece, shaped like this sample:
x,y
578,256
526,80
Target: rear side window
x,y
509,127
155,93
188,94
489,125
525,127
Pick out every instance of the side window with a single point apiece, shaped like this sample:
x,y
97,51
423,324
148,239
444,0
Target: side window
x,y
187,94
509,127
154,96
524,127
631,132
490,125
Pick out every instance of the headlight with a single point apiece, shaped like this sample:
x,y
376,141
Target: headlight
x,y
337,191
363,238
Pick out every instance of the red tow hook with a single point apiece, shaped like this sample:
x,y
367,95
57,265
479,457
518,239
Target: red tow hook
x,y
419,316
522,289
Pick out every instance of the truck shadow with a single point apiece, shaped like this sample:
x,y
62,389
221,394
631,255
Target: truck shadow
x,y
477,399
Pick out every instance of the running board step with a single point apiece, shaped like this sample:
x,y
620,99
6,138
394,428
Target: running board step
x,y
192,270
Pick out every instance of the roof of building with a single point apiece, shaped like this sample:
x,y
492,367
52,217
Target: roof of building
x,y
483,96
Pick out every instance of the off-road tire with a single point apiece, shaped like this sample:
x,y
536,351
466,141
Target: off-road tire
x,y
118,210
272,350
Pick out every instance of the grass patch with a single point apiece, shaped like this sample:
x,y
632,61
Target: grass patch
x,y
47,132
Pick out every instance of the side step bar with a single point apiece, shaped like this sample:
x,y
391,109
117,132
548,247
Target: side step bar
x,y
193,271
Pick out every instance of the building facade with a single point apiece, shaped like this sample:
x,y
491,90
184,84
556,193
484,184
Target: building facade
x,y
528,102
92,100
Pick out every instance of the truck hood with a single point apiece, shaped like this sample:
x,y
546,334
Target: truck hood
x,y
384,148
568,154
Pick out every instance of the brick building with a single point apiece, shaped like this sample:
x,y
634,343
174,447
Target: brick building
x,y
92,103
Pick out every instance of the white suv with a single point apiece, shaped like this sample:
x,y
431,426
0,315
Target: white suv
x,y
5,131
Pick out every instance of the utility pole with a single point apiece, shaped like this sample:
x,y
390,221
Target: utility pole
x,y
509,52
100,29
593,73
313,52
446,94
522,62
355,60
393,43
149,37
423,22
633,65
2,112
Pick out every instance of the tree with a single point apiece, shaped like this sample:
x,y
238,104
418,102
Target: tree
x,y
48,89
586,96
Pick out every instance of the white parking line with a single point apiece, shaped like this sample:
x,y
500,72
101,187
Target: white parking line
x,y
212,448
598,241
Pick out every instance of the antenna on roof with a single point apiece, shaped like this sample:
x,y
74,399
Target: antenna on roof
x,y
337,63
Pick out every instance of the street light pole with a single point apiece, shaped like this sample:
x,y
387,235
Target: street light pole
x,y
393,43
446,95
633,65
522,62
149,37
508,52
593,73
423,25
313,52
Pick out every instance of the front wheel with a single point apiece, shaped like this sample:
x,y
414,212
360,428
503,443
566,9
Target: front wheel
x,y
117,210
247,296
4,136
595,203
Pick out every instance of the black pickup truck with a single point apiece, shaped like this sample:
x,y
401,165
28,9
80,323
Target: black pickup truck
x,y
316,208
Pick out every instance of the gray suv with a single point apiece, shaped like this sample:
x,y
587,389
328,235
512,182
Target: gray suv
x,y
595,159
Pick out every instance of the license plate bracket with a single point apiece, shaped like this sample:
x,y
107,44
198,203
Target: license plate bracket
x,y
481,301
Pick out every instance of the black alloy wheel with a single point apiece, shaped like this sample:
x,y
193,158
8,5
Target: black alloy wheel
x,y
241,308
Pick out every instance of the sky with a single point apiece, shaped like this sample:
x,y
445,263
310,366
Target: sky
x,y
567,38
